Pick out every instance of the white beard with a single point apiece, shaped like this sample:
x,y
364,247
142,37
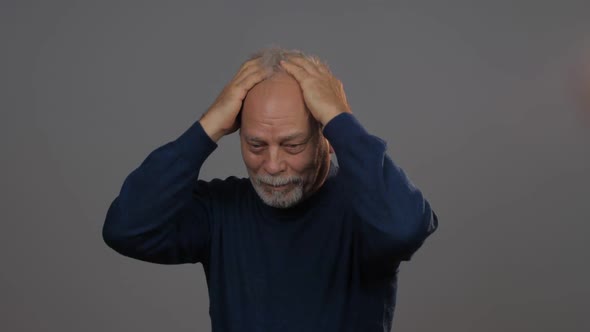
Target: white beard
x,y
284,198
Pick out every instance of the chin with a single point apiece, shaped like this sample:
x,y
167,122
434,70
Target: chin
x,y
279,199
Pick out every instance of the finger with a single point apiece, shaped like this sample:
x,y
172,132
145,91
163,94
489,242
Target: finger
x,y
323,68
299,73
251,61
247,65
304,63
246,71
252,79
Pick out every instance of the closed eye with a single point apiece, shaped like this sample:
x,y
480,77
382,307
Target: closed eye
x,y
294,148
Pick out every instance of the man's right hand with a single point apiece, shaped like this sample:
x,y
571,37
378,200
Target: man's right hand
x,y
221,118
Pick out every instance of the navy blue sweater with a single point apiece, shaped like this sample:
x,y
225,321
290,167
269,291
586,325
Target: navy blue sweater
x,y
328,264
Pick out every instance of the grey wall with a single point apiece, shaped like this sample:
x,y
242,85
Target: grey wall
x,y
473,98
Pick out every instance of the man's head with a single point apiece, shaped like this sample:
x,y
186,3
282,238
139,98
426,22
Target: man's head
x,y
285,153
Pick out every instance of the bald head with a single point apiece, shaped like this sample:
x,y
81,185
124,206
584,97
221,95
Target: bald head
x,y
277,98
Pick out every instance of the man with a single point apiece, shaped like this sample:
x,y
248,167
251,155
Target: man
x,y
300,245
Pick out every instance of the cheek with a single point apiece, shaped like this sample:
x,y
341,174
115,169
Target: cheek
x,y
252,161
303,162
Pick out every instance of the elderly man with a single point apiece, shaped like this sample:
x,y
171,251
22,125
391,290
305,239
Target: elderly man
x,y
299,245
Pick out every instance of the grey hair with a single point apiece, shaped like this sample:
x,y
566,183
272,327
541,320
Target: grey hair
x,y
271,56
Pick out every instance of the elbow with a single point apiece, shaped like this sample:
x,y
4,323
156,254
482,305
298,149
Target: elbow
x,y
112,235
411,226
410,241
115,239
396,235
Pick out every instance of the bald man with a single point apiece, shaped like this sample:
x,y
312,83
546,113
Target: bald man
x,y
299,245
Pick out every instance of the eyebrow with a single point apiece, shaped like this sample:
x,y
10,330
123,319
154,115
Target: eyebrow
x,y
282,139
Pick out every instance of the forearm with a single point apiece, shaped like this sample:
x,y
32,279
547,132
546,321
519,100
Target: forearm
x,y
155,201
394,216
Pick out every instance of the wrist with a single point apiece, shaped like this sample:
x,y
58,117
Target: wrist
x,y
213,131
328,116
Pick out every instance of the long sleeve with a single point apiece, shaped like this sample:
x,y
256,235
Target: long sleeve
x,y
394,217
161,212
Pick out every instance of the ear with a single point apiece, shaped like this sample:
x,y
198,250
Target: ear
x,y
329,146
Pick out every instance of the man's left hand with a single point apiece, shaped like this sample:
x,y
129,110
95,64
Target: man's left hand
x,y
323,93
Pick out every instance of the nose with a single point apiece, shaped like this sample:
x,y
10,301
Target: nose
x,y
274,163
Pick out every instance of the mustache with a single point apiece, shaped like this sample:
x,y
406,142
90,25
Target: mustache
x,y
277,181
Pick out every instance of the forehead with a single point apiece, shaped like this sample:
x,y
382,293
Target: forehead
x,y
275,109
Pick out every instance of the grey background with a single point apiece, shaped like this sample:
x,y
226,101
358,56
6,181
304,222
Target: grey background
x,y
473,97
